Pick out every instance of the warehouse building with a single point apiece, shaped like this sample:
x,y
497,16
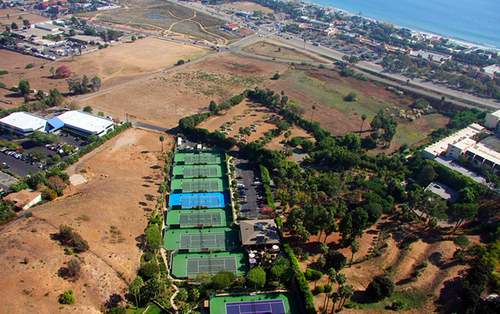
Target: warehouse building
x,y
22,123
86,123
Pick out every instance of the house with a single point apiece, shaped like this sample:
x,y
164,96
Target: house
x,y
259,233
24,199
231,27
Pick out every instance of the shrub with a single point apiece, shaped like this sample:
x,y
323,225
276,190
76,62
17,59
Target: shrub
x,y
351,97
29,66
62,72
319,289
328,288
381,287
49,195
67,297
294,142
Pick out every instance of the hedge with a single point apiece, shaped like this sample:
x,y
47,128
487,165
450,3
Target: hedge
x,y
301,281
269,196
264,173
452,178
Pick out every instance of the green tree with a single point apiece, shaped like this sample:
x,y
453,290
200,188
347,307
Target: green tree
x,y
222,279
352,96
153,238
149,270
87,109
345,293
464,212
14,26
426,175
212,106
26,23
381,287
162,138
24,87
194,294
256,277
313,110
95,83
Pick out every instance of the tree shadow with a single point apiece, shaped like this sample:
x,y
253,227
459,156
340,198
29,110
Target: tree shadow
x,y
149,197
449,297
143,203
146,186
114,300
363,297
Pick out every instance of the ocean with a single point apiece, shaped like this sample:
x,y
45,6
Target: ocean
x,y
474,21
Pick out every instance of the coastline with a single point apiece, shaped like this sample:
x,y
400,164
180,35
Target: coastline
x,y
420,32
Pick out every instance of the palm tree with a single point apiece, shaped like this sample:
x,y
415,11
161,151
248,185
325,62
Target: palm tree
x,y
161,140
354,249
345,293
314,109
335,298
135,288
323,249
332,275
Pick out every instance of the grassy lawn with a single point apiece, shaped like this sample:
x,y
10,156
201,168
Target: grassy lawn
x,y
267,49
154,309
192,29
333,95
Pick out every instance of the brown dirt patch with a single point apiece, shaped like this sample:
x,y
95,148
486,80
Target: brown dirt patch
x,y
121,192
271,50
246,114
296,132
166,99
114,65
441,269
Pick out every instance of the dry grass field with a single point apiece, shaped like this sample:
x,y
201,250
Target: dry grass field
x,y
169,97
114,65
109,211
246,7
17,16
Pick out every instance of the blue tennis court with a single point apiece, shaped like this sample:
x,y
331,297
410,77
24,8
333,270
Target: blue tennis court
x,y
256,307
198,200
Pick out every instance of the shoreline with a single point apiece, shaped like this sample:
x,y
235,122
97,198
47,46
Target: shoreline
x,y
420,32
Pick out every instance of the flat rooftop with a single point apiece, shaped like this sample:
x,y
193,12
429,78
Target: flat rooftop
x,y
444,191
25,121
85,121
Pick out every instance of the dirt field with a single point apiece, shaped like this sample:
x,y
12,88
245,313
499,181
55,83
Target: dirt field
x,y
433,281
296,132
114,65
166,99
271,50
119,195
246,6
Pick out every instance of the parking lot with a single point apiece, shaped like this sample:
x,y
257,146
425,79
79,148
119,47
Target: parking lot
x,y
247,174
22,165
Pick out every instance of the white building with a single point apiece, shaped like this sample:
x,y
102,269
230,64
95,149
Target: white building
x,y
24,199
492,119
441,147
86,123
22,123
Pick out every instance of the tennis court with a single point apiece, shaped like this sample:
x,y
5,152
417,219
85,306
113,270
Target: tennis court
x,y
274,302
196,186
193,158
211,265
199,240
200,172
257,307
198,200
203,240
180,263
199,217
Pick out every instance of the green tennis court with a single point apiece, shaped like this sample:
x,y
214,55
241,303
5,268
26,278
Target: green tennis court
x,y
201,172
225,304
196,219
194,158
180,263
187,218
198,186
211,265
203,240
198,240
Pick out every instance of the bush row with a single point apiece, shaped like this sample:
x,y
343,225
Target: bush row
x,y
301,281
269,195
